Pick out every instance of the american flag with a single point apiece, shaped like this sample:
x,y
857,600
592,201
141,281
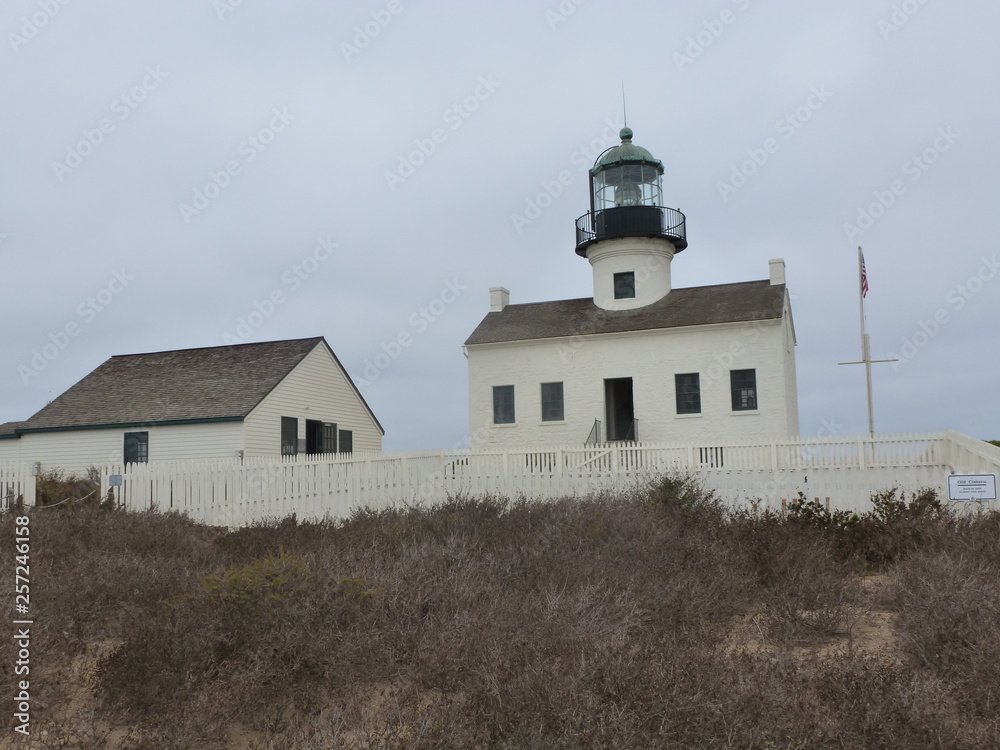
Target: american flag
x,y
864,277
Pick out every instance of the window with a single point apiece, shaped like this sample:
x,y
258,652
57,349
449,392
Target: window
x,y
321,437
136,447
688,389
330,433
625,285
347,441
289,436
503,404
552,402
744,384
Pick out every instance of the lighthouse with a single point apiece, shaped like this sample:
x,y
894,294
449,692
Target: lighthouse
x,y
640,360
628,235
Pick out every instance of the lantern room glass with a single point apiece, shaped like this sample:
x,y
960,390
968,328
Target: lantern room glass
x,y
627,185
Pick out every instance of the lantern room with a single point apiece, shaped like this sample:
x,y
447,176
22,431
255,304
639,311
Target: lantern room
x,y
626,199
625,175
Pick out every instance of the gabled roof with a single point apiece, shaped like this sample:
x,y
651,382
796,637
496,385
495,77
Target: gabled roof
x,y
694,306
213,384
9,429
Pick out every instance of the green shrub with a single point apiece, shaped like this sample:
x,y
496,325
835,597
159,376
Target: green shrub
x,y
270,579
875,540
678,491
896,526
803,511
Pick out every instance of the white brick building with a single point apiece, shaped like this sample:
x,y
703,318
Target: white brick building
x,y
638,360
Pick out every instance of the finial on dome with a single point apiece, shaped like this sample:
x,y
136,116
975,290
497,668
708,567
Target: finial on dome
x,y
625,134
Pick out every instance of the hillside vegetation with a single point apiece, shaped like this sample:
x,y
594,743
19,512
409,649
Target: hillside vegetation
x,y
655,618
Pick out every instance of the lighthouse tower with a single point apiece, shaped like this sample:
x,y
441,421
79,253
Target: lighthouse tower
x,y
641,360
628,236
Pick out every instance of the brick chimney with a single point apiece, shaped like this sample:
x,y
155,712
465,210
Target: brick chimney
x,y
499,298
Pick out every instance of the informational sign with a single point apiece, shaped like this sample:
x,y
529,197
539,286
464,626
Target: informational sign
x,y
115,480
972,487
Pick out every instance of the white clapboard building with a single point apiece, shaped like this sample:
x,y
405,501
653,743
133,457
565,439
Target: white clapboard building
x,y
640,360
260,399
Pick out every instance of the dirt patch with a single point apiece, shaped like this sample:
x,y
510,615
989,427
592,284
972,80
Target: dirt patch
x,y
863,628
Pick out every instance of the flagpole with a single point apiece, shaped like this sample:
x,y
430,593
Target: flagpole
x,y
866,354
866,348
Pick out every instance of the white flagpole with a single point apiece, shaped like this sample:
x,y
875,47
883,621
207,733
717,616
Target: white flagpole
x,y
866,350
866,355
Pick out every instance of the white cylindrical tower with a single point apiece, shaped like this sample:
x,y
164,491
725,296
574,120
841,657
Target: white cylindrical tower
x,y
628,236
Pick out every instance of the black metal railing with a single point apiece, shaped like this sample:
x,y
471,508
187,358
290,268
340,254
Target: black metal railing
x,y
594,438
631,221
633,432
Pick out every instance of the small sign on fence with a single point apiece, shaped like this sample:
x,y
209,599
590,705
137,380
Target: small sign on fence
x,y
115,480
972,487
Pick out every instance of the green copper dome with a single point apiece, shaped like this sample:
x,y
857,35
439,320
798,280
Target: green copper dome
x,y
626,153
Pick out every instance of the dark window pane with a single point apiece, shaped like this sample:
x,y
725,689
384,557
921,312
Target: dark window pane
x,y
744,386
688,388
136,447
503,404
329,442
625,285
289,436
314,437
347,441
552,402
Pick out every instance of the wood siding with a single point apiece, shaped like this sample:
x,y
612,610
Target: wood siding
x,y
10,449
74,451
316,389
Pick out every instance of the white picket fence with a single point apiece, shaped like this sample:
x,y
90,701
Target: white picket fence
x,y
17,482
235,492
845,470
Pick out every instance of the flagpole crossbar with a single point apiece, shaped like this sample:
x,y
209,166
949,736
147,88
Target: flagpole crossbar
x,y
868,361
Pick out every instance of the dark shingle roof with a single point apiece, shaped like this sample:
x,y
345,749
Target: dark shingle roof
x,y
700,305
215,383
9,429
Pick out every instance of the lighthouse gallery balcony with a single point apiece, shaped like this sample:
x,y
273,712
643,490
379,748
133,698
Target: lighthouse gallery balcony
x,y
630,221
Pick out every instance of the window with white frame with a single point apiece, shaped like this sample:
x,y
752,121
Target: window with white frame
x,y
687,387
553,409
503,404
744,387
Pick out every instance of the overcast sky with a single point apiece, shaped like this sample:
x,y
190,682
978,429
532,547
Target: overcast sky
x,y
188,173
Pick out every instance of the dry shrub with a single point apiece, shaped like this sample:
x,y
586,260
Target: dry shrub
x,y
802,588
55,488
486,622
948,598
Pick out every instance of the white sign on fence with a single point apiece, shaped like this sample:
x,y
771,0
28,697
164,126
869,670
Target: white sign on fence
x,y
972,487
